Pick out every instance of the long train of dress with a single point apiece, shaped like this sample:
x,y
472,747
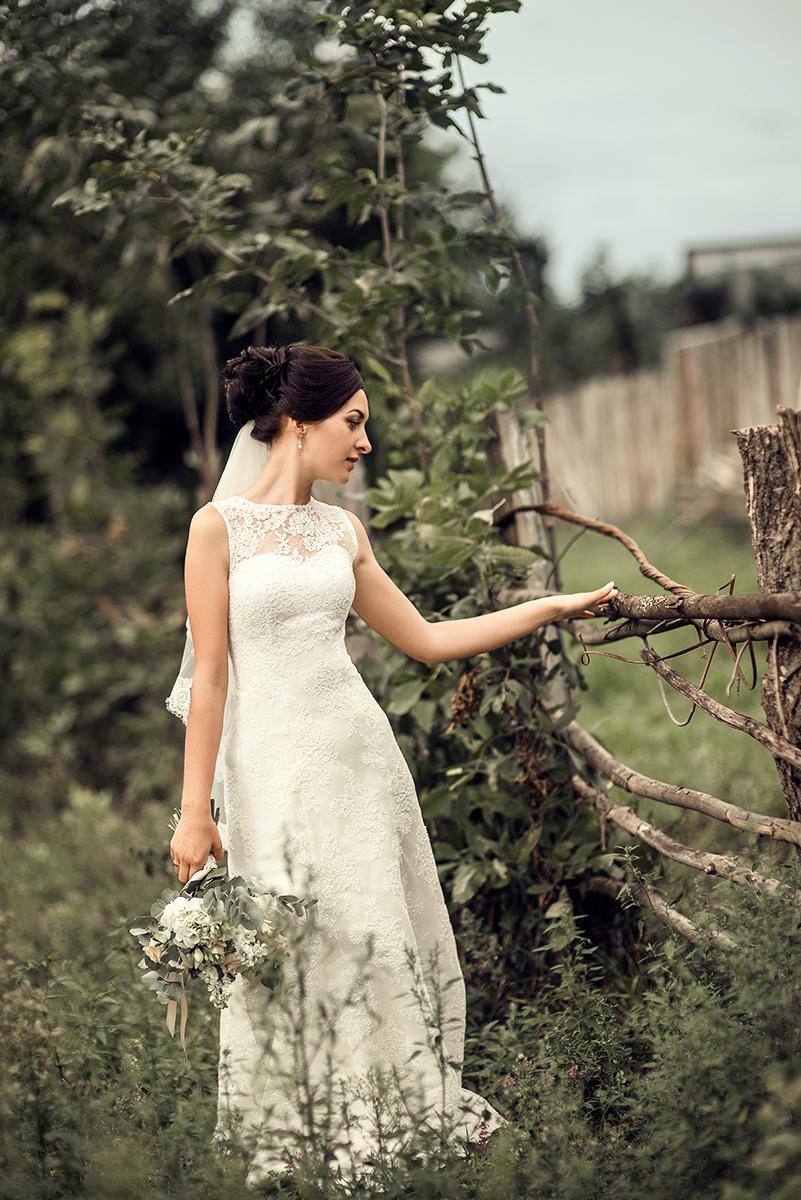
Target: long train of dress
x,y
319,800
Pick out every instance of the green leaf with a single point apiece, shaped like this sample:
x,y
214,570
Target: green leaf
x,y
452,553
523,849
435,801
531,418
377,368
404,697
514,556
467,880
424,713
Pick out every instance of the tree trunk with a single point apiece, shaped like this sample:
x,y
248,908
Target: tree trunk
x,y
771,457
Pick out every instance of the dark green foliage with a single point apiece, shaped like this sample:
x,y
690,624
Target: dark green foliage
x,y
681,1081
89,585
492,773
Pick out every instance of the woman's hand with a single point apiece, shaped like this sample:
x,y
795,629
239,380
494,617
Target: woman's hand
x,y
581,604
191,843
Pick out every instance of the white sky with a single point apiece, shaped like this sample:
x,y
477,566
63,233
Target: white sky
x,y
645,125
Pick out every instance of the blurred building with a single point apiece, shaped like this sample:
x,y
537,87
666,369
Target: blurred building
x,y
747,277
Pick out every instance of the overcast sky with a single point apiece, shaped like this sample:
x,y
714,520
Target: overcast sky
x,y
645,125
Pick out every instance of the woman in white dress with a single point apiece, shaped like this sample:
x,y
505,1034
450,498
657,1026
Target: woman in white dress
x,y
317,797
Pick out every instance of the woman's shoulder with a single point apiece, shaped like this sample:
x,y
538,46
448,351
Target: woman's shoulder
x,y
208,536
344,523
344,517
208,522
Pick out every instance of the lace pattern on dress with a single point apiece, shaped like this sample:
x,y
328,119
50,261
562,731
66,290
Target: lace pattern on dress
x,y
178,699
298,531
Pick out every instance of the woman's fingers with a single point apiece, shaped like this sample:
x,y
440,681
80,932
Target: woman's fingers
x,y
579,605
599,598
602,596
190,848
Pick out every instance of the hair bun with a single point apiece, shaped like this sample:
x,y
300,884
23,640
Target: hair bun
x,y
268,384
253,381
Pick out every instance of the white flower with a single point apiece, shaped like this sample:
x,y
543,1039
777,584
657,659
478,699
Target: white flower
x,y
187,920
219,988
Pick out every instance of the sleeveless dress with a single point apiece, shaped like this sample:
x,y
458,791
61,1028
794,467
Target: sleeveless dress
x,y
319,802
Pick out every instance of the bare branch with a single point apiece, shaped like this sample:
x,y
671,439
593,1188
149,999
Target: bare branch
x,y
534,347
760,606
564,514
778,828
649,898
591,635
699,860
778,746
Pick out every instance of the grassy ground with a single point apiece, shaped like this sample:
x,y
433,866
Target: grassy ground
x,y
623,707
690,1090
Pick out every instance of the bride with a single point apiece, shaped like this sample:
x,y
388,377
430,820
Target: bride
x,y
317,797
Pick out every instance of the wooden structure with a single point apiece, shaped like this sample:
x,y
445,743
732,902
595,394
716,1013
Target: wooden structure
x,y
629,444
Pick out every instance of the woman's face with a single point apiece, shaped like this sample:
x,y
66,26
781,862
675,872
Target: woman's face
x,y
336,444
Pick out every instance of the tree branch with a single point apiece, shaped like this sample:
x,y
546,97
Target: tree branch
x,y
534,372
564,514
778,828
648,897
778,746
759,606
398,315
591,635
699,860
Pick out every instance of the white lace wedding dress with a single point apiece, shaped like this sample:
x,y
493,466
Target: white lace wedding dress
x,y
319,800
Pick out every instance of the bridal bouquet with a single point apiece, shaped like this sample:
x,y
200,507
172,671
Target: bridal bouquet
x,y
214,929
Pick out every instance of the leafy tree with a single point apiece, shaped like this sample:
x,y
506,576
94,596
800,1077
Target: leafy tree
x,y
58,60
87,589
493,775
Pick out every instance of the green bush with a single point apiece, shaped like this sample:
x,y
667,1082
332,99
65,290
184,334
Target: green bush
x,y
683,1080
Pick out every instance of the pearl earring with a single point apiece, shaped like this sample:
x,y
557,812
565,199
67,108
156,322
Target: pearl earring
x,y
300,443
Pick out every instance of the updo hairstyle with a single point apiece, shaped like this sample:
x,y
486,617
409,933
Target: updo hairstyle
x,y
266,383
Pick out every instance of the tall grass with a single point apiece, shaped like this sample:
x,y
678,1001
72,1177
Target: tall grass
x,y
681,1080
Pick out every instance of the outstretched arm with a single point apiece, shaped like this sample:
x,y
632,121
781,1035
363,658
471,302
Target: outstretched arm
x,y
385,609
207,605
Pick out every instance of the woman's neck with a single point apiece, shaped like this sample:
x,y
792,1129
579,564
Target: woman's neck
x,y
283,480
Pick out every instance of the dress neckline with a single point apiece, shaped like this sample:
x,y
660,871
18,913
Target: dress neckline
x,y
259,504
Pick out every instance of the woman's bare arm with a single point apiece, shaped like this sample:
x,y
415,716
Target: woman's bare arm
x,y
385,609
207,605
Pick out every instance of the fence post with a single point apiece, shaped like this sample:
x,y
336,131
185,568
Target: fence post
x,y
771,457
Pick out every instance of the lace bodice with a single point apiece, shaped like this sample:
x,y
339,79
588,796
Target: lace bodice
x,y
290,588
298,531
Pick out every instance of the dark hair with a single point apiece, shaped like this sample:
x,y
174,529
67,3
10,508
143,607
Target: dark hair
x,y
308,383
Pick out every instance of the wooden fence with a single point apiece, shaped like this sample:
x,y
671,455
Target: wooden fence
x,y
630,444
